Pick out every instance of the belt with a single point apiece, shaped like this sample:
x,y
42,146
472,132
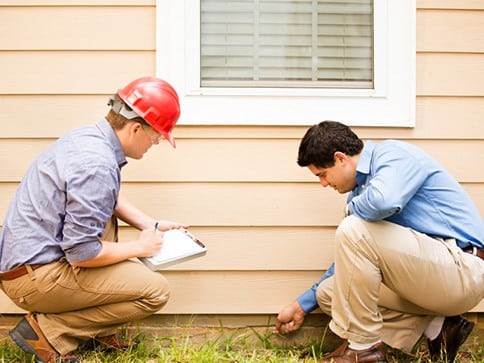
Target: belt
x,y
17,272
473,250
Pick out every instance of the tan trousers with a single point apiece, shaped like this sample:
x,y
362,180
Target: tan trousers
x,y
391,281
74,304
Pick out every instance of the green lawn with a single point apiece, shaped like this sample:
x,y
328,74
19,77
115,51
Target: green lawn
x,y
251,346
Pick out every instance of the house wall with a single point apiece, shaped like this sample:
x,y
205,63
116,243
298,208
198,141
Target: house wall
x,y
267,223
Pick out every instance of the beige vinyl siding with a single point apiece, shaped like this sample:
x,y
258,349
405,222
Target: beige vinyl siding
x,y
201,160
457,118
267,223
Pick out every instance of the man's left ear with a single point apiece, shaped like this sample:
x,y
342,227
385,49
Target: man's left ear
x,y
136,127
338,155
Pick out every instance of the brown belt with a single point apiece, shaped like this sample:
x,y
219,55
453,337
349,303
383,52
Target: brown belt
x,y
16,272
479,252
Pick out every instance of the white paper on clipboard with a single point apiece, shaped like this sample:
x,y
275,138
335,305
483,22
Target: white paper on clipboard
x,y
178,245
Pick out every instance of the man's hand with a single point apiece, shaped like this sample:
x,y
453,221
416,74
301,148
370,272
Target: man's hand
x,y
150,242
290,318
163,225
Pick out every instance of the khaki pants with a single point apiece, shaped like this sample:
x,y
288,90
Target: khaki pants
x,y
391,281
74,304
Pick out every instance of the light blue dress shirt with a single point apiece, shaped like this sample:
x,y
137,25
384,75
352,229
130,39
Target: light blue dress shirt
x,y
400,183
65,199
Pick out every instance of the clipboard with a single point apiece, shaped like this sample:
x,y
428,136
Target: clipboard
x,y
179,245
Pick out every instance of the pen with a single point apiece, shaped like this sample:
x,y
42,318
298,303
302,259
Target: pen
x,y
156,226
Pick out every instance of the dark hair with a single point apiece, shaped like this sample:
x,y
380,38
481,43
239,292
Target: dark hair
x,y
321,141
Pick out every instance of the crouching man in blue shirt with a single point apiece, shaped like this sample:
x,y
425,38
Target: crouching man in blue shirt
x,y
408,257
58,258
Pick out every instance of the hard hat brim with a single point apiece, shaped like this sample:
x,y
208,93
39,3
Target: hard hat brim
x,y
169,137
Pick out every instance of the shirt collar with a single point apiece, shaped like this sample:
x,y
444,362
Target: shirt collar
x,y
363,167
113,140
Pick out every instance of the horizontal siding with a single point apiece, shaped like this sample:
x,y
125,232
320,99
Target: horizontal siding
x,y
230,204
53,28
450,4
450,74
438,74
71,72
231,292
240,204
276,161
76,3
462,29
437,118
54,114
257,248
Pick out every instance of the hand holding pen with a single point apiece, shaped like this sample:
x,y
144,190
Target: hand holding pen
x,y
163,225
150,241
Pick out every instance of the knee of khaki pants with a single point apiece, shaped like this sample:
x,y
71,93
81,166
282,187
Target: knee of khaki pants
x,y
158,301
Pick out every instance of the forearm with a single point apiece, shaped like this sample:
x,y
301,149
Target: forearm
x,y
112,253
307,300
394,179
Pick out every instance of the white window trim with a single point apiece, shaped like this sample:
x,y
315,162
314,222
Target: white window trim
x,y
391,103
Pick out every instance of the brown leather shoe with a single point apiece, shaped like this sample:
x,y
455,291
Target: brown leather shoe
x,y
109,342
28,336
344,354
454,332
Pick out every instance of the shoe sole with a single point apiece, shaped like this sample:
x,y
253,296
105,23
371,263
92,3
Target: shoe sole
x,y
22,343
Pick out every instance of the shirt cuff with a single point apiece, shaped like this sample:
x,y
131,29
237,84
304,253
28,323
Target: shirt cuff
x,y
308,301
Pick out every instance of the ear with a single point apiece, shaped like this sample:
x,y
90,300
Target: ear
x,y
135,127
340,156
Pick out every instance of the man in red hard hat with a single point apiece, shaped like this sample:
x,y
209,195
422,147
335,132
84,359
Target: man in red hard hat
x,y
152,99
58,258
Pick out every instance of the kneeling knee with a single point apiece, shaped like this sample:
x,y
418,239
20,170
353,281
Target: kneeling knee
x,y
159,295
323,297
349,228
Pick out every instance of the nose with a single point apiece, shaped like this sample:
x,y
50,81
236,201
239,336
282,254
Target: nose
x,y
323,182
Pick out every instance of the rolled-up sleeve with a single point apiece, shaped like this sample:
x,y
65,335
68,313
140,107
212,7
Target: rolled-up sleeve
x,y
90,201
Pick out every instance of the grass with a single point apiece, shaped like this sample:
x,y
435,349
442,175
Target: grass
x,y
250,346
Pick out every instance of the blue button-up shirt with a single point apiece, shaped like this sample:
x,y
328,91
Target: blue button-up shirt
x,y
400,183
65,199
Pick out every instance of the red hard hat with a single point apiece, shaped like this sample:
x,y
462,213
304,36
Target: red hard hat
x,y
156,101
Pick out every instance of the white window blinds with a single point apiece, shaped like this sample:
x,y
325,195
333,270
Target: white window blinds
x,y
284,43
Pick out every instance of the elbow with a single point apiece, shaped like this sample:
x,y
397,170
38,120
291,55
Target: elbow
x,y
378,209
79,264
386,208
87,263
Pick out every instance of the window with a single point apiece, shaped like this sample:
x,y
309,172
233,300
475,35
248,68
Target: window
x,y
286,43
289,62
